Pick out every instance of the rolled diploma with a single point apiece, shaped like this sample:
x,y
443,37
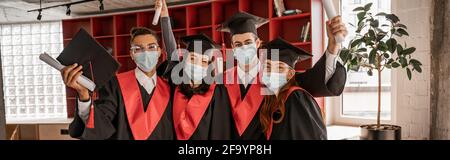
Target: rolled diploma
x,y
156,17
82,80
331,13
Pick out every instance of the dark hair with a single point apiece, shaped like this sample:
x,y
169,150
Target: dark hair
x,y
255,36
139,31
274,107
188,91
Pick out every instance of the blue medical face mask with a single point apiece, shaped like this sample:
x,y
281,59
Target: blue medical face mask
x,y
195,72
274,81
147,60
246,54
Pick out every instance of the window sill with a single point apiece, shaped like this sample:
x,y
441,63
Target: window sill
x,y
343,132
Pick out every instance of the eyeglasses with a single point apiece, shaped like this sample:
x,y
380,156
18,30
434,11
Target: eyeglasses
x,y
139,49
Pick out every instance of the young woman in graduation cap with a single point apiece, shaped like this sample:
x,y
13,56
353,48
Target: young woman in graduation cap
x,y
134,105
289,112
326,78
201,110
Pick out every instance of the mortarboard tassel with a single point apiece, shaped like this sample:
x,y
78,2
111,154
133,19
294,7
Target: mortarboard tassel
x,y
90,122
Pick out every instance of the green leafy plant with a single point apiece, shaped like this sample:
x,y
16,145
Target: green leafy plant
x,y
376,47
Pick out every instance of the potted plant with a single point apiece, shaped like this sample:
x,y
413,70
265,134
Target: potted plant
x,y
375,48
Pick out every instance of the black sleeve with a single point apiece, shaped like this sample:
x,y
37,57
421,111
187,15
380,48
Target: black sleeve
x,y
313,80
170,45
222,123
302,121
105,111
77,127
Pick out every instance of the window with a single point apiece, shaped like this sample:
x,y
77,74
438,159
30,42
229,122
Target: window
x,y
32,89
359,100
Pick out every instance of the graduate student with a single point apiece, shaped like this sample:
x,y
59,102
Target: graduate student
x,y
201,109
326,78
134,105
289,112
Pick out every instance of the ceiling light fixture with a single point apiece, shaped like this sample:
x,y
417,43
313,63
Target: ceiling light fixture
x,y
102,6
68,11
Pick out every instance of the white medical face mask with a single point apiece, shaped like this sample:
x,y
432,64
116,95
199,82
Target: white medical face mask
x,y
195,72
147,60
274,81
246,54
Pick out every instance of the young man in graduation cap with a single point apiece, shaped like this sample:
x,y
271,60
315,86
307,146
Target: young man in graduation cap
x,y
133,105
326,78
288,112
201,110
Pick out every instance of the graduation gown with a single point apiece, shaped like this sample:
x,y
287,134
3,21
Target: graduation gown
x,y
203,116
312,81
116,118
245,106
302,119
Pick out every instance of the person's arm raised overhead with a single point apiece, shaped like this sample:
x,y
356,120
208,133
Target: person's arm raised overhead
x,y
170,43
328,76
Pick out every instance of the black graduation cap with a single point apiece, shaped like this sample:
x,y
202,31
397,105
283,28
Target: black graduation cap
x,y
288,53
206,42
242,22
85,51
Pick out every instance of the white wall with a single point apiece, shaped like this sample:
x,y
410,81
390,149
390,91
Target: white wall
x,y
413,97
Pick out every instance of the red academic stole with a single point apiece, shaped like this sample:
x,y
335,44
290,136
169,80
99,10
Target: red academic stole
x,y
143,123
292,89
188,113
243,110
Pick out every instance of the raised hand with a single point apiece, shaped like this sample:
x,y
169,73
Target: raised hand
x,y
163,4
70,74
335,27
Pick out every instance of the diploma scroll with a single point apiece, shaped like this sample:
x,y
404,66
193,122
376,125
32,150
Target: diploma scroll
x,y
82,80
331,13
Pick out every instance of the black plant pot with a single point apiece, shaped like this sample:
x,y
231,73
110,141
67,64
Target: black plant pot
x,y
385,132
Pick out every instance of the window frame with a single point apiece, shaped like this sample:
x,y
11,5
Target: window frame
x,y
56,105
334,105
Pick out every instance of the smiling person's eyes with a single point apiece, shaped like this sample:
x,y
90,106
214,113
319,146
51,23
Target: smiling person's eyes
x,y
248,42
152,46
138,49
135,49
